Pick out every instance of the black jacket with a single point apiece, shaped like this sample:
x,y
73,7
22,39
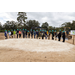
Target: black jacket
x,y
11,32
26,32
59,35
17,32
63,35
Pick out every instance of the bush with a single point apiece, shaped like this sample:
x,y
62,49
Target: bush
x,y
1,30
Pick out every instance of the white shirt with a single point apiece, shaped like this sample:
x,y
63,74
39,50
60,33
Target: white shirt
x,y
9,33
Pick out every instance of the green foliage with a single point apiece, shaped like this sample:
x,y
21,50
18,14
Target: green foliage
x,y
45,26
21,18
68,24
32,24
23,24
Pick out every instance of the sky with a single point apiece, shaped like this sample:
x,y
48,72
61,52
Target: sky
x,y
53,18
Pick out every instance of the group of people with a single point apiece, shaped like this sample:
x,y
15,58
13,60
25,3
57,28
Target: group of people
x,y
12,33
35,34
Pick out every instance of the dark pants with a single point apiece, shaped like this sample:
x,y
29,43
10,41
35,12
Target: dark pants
x,y
23,35
45,36
52,37
63,39
19,35
37,36
6,37
26,35
59,38
34,35
42,36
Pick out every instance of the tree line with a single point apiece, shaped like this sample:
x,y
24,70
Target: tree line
x,y
32,24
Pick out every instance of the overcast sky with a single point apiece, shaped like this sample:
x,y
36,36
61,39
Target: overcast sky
x,y
53,18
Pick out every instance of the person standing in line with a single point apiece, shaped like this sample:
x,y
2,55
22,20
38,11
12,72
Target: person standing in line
x,y
45,34
49,34
34,33
5,33
17,33
28,34
37,33
55,34
31,33
9,34
40,34
59,36
20,33
23,33
63,36
12,33
52,35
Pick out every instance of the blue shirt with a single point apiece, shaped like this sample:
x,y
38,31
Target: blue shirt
x,y
17,31
34,33
5,33
37,33
23,31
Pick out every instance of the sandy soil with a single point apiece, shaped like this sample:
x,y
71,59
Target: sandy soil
x,y
10,55
16,55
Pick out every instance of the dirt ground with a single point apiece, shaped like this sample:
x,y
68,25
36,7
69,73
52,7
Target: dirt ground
x,y
10,55
14,55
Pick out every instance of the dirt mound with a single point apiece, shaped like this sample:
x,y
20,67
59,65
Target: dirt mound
x,y
37,45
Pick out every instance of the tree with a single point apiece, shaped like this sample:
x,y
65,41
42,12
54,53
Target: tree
x,y
31,24
6,25
21,18
10,25
13,25
0,26
45,25
50,28
68,24
73,25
